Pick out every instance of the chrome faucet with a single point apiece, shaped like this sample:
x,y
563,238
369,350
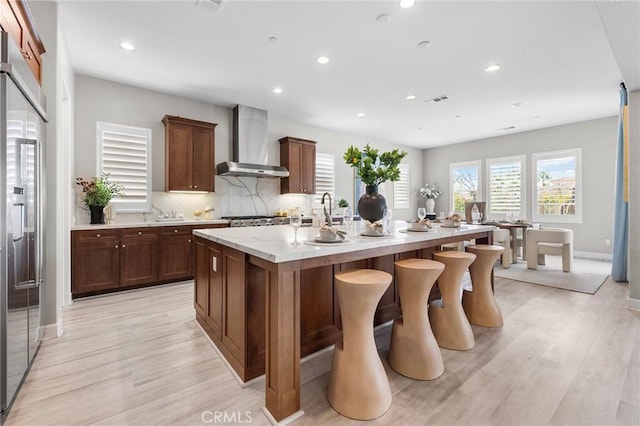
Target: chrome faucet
x,y
322,202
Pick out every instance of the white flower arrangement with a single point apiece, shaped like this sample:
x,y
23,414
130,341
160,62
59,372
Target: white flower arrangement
x,y
431,192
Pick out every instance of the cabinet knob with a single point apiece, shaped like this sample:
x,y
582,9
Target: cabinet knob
x,y
190,186
116,246
188,241
175,230
123,246
139,232
196,186
98,236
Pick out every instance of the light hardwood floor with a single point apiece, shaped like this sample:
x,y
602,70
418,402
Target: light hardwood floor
x,y
138,358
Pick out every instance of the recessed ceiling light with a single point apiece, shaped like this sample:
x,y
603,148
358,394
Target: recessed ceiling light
x,y
405,4
493,67
411,97
424,44
277,90
361,114
322,60
508,128
383,19
517,105
127,46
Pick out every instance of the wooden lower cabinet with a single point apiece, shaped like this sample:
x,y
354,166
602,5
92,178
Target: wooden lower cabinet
x,y
230,303
96,261
108,260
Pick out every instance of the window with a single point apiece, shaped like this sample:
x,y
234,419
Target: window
x,y
464,181
124,152
505,177
401,188
557,194
324,176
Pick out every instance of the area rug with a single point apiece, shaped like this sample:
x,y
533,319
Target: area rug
x,y
585,278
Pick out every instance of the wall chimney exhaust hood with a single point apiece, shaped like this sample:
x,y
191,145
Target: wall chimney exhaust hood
x,y
250,153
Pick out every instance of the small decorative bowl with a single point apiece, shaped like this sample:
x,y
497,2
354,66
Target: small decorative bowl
x,y
327,235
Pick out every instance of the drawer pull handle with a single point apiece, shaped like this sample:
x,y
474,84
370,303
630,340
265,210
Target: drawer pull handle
x,y
214,264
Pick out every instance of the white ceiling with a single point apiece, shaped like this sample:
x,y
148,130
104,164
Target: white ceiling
x,y
555,56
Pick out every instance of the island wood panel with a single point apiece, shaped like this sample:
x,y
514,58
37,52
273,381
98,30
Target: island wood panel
x,y
201,291
215,290
319,311
234,305
256,305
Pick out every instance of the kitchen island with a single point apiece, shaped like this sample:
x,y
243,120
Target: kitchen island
x,y
265,302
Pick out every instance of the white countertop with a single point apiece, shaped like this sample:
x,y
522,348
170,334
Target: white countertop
x,y
273,243
154,223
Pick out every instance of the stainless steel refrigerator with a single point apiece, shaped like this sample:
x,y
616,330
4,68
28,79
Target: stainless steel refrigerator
x,y
22,118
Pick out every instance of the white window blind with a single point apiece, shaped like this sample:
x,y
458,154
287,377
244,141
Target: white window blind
x,y
325,175
401,188
506,186
124,152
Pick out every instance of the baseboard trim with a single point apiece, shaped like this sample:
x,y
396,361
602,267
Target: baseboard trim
x,y
593,255
50,331
633,304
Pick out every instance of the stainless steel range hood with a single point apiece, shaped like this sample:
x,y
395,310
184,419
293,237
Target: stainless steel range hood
x,y
250,153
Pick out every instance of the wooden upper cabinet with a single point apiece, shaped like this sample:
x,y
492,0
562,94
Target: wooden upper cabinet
x,y
189,154
15,19
299,157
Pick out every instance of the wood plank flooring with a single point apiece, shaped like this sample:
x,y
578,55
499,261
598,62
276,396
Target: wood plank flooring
x,y
138,358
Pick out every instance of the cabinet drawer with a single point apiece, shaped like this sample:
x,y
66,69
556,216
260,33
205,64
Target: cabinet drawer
x,y
139,232
175,230
98,233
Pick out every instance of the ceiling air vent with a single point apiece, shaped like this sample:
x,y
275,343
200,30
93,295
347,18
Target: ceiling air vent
x,y
215,5
508,128
437,99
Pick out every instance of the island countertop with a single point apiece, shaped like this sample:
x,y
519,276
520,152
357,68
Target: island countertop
x,y
273,243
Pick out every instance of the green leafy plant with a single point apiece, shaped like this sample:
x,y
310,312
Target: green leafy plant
x,y
99,190
373,168
343,203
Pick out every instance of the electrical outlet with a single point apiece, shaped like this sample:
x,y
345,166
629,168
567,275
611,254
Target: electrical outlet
x,y
607,242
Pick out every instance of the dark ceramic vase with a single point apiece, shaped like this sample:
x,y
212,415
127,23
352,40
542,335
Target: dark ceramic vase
x,y
97,215
372,204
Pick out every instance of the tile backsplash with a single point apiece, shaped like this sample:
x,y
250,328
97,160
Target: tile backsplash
x,y
234,196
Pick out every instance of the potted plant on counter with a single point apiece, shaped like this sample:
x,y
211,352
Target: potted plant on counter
x,y
97,193
373,169
431,193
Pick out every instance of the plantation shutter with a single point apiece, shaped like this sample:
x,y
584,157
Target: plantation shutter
x,y
401,188
505,186
125,154
325,176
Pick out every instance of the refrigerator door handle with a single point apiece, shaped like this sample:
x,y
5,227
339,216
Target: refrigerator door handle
x,y
26,284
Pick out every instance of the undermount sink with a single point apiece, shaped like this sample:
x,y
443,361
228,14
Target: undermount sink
x,y
169,219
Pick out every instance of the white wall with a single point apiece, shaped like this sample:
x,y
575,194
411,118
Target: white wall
x,y
101,100
598,141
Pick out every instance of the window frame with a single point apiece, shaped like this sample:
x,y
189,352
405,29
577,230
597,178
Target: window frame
x,y
556,218
404,203
522,159
479,192
318,195
121,204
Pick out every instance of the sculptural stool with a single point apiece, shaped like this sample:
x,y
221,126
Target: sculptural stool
x,y
479,303
358,384
414,351
448,321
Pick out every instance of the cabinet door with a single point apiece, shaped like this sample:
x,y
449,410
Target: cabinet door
x,y
319,314
203,155
96,261
201,277
138,256
308,168
175,253
214,308
179,157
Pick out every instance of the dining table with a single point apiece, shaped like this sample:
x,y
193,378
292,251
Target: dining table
x,y
513,228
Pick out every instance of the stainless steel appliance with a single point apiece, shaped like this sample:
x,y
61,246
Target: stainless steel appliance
x,y
238,221
22,118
